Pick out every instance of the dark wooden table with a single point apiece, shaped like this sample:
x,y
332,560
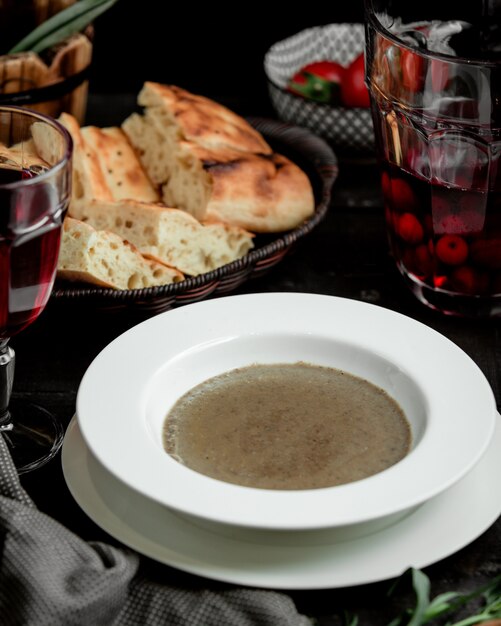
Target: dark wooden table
x,y
347,255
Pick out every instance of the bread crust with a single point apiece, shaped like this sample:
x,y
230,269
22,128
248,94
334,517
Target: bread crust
x,y
202,120
122,171
262,193
88,181
170,236
103,258
105,166
184,151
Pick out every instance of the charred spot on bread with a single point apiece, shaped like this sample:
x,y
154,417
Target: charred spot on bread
x,y
221,166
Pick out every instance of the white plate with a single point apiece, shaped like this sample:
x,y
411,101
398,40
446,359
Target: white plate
x,y
431,533
129,388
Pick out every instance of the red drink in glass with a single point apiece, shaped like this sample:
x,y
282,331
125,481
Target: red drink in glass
x,y
28,254
437,120
35,182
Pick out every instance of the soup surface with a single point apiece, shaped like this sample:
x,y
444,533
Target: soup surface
x,y
287,426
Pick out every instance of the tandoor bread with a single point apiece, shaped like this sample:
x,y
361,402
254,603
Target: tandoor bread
x,y
122,171
169,235
105,166
198,119
112,192
261,193
212,171
187,152
88,180
104,259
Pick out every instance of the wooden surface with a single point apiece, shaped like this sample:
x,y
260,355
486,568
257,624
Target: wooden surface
x,y
347,255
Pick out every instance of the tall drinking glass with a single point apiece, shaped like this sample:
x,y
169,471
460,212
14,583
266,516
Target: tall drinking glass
x,y
35,176
434,75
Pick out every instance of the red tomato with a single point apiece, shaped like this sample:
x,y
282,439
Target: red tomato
x,y
329,70
319,81
412,66
354,92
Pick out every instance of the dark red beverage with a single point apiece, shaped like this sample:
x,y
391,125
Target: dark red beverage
x,y
444,238
437,120
30,230
35,187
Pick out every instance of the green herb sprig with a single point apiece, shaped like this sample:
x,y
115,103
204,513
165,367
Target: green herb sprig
x,y
67,22
445,605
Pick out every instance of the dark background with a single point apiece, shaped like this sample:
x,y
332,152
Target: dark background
x,y
214,49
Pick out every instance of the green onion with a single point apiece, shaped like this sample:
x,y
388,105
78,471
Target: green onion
x,y
62,25
426,611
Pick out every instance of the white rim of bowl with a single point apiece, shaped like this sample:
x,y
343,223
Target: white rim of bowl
x,y
113,393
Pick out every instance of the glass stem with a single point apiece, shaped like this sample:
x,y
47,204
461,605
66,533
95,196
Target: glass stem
x,y
7,362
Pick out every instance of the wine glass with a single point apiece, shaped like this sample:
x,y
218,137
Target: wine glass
x,y
35,186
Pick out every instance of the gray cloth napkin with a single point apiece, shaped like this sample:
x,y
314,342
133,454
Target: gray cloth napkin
x,y
51,577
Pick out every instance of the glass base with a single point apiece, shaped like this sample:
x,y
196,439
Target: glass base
x,y
34,436
450,303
